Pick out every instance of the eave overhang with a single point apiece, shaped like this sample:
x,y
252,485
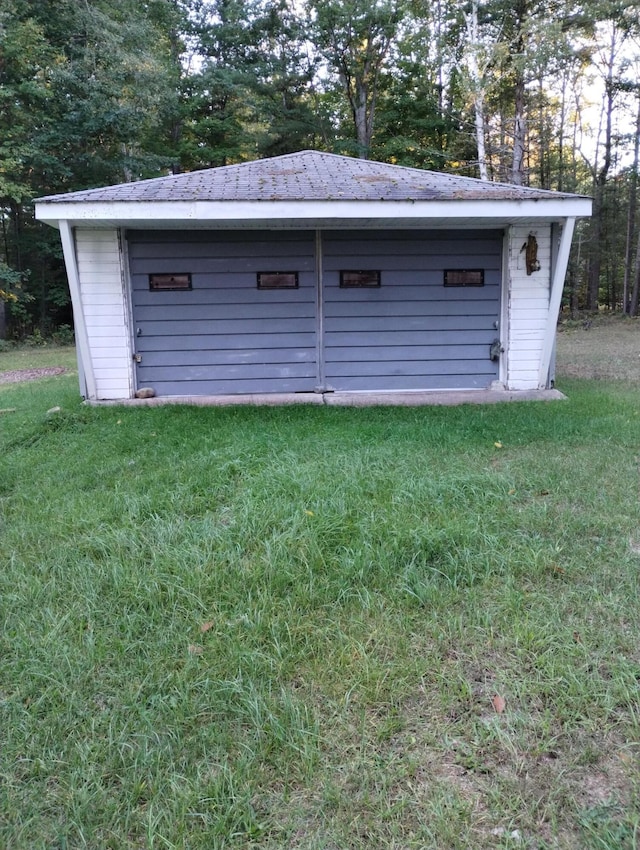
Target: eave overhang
x,y
310,214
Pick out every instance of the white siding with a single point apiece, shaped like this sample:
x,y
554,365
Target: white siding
x,y
528,307
105,311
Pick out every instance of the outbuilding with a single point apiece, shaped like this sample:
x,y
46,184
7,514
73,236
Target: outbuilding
x,y
312,273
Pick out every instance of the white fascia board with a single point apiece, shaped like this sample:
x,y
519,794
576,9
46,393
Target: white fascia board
x,y
159,212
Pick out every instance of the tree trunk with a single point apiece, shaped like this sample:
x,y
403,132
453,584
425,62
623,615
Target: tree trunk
x,y
519,131
477,86
595,265
633,307
631,217
518,59
361,123
3,320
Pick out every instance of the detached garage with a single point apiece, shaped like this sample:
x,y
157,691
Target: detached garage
x,y
313,273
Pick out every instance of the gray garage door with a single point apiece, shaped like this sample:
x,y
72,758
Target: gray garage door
x,y
407,330
221,334
401,310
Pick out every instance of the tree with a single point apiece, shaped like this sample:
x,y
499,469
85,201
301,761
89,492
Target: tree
x,y
83,96
354,37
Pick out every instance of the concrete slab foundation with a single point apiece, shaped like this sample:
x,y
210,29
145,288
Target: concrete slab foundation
x,y
359,399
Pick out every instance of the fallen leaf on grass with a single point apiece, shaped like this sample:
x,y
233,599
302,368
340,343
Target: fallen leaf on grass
x,y
499,703
309,513
498,444
206,626
194,649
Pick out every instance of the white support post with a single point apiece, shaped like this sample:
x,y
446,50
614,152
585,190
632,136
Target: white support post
x,y
73,276
555,298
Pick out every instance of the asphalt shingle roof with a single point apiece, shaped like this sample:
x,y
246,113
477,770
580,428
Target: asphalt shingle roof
x,y
308,176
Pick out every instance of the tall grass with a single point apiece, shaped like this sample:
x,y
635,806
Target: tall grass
x,y
286,627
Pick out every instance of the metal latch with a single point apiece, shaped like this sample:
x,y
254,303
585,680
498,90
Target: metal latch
x,y
495,350
137,358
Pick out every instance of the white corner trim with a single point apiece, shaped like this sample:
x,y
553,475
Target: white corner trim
x,y
73,276
555,298
504,329
127,289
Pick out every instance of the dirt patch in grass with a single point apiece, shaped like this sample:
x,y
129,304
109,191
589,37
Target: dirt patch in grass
x,y
19,376
605,348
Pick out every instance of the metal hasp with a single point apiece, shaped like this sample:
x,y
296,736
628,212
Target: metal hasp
x,y
495,350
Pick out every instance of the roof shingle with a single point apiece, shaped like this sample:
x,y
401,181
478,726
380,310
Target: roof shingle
x,y
307,176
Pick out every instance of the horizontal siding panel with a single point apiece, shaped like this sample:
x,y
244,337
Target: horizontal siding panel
x,y
102,331
222,357
526,326
412,368
223,266
110,383
226,328
525,379
518,315
110,288
105,366
428,279
441,312
224,295
423,241
208,312
229,343
101,278
418,292
109,352
99,297
104,310
405,262
399,338
107,260
430,326
269,371
232,387
107,370
539,298
222,246
399,353
414,382
523,343
524,359
116,394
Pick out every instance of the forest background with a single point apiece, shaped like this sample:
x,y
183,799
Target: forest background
x,y
543,93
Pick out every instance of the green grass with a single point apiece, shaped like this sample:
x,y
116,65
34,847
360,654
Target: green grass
x,y
284,628
34,357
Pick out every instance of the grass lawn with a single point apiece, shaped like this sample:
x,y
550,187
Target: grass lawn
x,y
320,628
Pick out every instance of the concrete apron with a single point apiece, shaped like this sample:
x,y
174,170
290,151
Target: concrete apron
x,y
345,399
